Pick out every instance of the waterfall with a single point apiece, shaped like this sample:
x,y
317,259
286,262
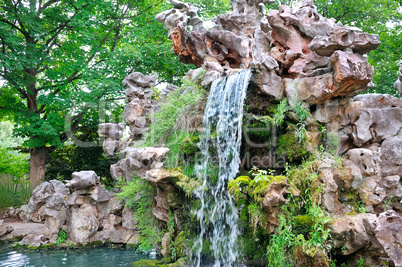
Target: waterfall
x,y
219,163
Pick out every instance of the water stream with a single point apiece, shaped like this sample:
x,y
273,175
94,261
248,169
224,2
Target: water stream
x,y
219,163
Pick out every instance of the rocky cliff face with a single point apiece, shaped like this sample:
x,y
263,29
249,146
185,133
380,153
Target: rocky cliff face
x,y
320,66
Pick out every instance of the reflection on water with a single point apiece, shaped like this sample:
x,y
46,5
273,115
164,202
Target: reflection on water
x,y
101,256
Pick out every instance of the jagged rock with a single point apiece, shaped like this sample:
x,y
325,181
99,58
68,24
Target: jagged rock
x,y
274,198
352,73
363,159
161,210
388,231
391,156
10,213
38,239
330,195
23,213
350,233
354,179
83,180
371,192
342,38
121,236
109,222
82,223
5,229
112,132
139,103
113,206
391,182
50,194
137,161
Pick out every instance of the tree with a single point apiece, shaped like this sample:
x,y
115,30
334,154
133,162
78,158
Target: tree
x,y
58,55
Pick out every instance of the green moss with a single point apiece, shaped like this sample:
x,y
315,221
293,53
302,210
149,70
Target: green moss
x,y
181,244
290,145
148,263
303,224
258,187
259,127
187,184
237,187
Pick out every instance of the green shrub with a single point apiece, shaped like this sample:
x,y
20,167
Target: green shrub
x,y
139,196
169,121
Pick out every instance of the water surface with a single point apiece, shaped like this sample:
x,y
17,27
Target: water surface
x,y
87,257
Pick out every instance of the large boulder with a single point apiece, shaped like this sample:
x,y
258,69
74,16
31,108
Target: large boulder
x,y
82,223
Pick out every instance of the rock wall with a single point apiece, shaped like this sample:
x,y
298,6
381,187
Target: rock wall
x,y
83,208
319,65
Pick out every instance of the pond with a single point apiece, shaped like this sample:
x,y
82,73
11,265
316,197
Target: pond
x,y
100,256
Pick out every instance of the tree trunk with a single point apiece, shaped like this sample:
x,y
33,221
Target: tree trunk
x,y
37,166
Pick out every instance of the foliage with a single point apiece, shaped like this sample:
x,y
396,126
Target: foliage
x,y
300,112
62,237
165,121
60,59
13,193
139,196
62,162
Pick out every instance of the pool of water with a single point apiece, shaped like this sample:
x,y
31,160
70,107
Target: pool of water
x,y
86,257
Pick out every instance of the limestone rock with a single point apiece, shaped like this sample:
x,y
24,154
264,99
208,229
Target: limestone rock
x,y
341,38
350,233
388,231
50,194
137,161
371,192
128,219
83,180
391,156
112,132
82,223
5,229
363,159
139,103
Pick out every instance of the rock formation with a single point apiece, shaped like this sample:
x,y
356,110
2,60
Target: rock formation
x,y
82,207
319,65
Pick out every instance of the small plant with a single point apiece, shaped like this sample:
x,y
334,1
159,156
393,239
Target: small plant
x,y
361,263
139,196
62,237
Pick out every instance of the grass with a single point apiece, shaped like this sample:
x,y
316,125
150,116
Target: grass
x,y
12,193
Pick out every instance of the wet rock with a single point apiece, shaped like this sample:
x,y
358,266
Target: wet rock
x,y
388,231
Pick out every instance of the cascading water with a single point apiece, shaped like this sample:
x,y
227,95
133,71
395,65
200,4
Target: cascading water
x,y
220,149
